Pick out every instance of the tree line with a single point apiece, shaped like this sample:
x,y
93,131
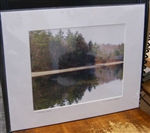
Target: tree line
x,y
65,50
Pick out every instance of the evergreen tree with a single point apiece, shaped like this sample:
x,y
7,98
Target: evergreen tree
x,y
39,49
90,44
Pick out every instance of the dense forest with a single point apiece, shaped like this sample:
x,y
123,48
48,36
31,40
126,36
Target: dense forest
x,y
68,50
65,50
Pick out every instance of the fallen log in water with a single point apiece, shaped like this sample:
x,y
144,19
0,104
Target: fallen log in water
x,y
44,73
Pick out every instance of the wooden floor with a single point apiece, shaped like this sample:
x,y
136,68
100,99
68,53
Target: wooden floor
x,y
131,121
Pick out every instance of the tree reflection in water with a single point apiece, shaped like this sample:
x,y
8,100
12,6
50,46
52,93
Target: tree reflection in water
x,y
69,88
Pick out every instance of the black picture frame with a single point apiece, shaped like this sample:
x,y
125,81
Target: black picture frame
x,y
11,5
26,4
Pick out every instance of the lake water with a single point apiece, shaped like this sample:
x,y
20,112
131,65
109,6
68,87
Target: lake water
x,y
77,87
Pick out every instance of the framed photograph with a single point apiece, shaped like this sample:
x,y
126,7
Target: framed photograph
x,y
71,63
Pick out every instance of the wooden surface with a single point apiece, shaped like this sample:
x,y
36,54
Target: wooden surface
x,y
148,62
146,87
131,121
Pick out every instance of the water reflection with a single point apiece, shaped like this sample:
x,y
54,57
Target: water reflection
x,y
77,87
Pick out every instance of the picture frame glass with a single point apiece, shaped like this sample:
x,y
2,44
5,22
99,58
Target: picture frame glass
x,y
77,65
71,60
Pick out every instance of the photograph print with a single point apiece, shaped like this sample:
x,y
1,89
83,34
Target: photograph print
x,y
76,65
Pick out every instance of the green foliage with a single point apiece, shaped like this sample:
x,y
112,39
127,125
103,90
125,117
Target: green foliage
x,y
39,47
71,39
77,57
50,51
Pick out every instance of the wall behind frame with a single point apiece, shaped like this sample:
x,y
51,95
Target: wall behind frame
x,y
23,4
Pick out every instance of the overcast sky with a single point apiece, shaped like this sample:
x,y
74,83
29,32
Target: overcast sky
x,y
112,34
